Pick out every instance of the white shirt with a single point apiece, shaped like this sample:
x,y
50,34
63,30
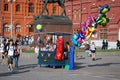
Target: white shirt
x,y
36,50
92,47
11,50
1,47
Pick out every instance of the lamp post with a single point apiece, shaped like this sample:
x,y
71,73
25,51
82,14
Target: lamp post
x,y
11,24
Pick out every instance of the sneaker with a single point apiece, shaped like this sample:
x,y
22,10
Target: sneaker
x,y
9,69
93,59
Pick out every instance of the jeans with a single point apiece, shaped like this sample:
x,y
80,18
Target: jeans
x,y
16,61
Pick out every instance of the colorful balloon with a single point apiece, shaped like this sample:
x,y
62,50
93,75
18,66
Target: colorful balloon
x,y
39,27
76,36
84,27
82,36
88,29
80,41
105,10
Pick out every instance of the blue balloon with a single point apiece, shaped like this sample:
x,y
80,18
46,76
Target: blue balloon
x,y
74,41
75,36
106,6
79,45
101,10
82,36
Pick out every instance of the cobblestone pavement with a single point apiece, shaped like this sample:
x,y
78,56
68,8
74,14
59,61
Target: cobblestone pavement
x,y
106,67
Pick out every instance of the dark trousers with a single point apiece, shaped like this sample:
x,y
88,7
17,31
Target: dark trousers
x,y
16,61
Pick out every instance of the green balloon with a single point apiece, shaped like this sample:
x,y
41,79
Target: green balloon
x,y
99,22
103,24
39,27
107,19
103,15
94,24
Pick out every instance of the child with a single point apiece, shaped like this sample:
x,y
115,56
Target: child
x,y
93,50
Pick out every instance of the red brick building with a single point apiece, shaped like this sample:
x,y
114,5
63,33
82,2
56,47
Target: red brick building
x,y
22,16
77,10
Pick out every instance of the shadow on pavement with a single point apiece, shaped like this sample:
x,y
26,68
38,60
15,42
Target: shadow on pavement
x,y
79,65
27,66
98,58
105,64
81,57
12,73
19,70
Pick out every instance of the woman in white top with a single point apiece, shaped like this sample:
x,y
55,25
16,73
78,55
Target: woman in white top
x,y
93,50
37,52
10,49
1,50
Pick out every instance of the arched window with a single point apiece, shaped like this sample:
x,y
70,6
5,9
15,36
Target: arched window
x,y
6,28
31,7
18,28
18,8
103,33
75,14
31,28
54,10
5,7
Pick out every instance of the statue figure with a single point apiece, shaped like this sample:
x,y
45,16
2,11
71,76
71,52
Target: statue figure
x,y
60,2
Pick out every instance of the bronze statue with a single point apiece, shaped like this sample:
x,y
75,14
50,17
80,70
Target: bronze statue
x,y
60,2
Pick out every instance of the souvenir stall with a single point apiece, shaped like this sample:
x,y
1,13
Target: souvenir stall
x,y
51,34
52,49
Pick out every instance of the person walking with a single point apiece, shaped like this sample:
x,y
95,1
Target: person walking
x,y
118,44
17,54
103,45
37,52
106,44
66,50
93,50
2,55
10,50
1,50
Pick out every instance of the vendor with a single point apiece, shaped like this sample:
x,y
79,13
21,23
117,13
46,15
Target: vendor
x,y
67,47
66,50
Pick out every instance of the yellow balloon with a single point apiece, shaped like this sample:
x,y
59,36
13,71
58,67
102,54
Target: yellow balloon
x,y
92,29
105,10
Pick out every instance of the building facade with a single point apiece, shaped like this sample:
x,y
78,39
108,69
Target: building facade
x,y
22,16
77,10
80,10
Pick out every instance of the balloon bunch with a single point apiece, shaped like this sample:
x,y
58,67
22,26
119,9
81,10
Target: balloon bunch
x,y
89,27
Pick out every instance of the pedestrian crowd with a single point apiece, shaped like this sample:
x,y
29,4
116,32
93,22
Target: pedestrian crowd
x,y
10,52
104,45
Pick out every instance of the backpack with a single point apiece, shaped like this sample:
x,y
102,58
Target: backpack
x,y
16,52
